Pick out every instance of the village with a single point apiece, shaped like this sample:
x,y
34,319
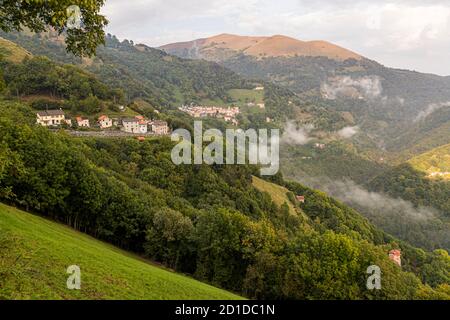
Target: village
x,y
228,114
132,126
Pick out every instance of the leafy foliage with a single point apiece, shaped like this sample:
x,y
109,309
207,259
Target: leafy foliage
x,y
40,15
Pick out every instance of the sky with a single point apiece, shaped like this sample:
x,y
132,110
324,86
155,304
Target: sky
x,y
408,34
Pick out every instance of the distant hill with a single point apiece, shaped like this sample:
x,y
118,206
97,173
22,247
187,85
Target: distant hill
x,y
226,45
106,272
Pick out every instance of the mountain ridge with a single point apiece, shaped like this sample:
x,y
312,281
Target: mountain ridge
x,y
259,46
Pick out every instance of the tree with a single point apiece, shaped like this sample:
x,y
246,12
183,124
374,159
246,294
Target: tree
x,y
166,239
39,15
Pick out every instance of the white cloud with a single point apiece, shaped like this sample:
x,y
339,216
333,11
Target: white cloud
x,y
399,33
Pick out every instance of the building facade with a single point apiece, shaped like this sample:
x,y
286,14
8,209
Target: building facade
x,y
83,122
105,122
159,127
51,118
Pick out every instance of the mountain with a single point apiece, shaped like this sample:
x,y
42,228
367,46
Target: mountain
x,y
394,116
218,47
388,105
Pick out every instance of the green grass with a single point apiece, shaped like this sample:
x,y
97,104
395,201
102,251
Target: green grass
x,y
240,98
12,52
244,96
35,254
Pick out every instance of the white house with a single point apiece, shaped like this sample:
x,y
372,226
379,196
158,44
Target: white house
x,y
137,124
130,125
50,118
143,126
105,122
159,127
83,122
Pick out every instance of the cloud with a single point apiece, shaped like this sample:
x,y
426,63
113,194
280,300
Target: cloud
x,y
295,135
431,108
348,132
363,88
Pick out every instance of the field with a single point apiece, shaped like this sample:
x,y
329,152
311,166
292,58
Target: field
x,y
240,97
35,254
244,96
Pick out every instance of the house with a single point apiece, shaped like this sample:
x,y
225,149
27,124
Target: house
x,y
159,127
51,118
396,256
140,138
131,125
320,146
83,122
259,89
262,105
143,126
105,122
301,199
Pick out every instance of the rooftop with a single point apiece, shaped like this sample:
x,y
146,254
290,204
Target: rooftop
x,y
45,113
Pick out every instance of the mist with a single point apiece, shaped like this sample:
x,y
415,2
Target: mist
x,y
431,108
296,135
348,132
421,226
368,87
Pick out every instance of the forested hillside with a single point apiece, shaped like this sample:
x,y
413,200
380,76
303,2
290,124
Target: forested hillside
x,y
207,221
142,72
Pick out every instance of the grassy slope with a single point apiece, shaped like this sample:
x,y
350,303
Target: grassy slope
x,y
35,253
277,193
12,52
436,160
